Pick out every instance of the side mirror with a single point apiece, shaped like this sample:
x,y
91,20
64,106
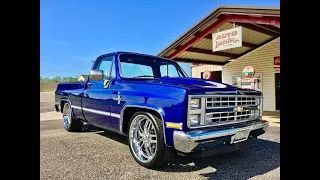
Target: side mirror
x,y
96,74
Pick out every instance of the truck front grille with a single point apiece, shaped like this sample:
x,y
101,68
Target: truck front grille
x,y
230,116
213,102
218,110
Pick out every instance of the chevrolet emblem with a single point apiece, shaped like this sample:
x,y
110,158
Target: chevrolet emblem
x,y
239,109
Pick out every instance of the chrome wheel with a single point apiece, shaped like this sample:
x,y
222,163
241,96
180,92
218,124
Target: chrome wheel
x,y
143,138
67,116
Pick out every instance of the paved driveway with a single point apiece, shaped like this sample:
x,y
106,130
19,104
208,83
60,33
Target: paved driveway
x,y
95,154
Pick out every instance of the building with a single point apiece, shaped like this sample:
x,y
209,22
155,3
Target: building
x,y
205,46
83,78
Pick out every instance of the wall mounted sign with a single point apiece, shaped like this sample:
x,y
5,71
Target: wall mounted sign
x,y
276,62
228,39
206,75
248,72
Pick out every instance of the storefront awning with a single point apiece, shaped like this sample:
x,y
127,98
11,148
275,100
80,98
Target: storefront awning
x,y
260,25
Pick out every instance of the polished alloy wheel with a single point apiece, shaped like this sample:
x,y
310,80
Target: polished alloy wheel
x,y
67,116
143,138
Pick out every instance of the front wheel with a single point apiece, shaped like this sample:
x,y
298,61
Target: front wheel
x,y
146,140
70,124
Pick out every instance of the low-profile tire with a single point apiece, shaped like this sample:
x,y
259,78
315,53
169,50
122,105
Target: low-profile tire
x,y
70,124
146,141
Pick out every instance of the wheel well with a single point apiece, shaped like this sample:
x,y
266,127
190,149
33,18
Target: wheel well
x,y
129,111
62,105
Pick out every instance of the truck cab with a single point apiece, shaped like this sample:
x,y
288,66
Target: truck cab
x,y
162,111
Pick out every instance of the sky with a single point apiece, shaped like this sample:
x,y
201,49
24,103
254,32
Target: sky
x,y
74,32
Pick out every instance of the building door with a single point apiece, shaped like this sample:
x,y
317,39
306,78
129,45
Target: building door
x,y
277,84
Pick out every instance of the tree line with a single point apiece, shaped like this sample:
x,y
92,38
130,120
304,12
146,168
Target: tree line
x,y
58,79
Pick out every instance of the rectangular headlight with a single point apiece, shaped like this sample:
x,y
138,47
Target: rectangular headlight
x,y
195,119
195,103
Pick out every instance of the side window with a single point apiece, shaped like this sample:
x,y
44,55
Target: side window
x,y
172,71
105,65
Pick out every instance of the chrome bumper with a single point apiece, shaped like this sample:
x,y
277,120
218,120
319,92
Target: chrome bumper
x,y
186,142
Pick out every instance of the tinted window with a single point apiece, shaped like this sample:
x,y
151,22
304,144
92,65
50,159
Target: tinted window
x,y
105,65
172,71
131,70
141,66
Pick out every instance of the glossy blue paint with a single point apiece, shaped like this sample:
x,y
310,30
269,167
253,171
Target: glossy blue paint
x,y
167,96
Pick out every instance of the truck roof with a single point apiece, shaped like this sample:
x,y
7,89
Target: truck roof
x,y
119,52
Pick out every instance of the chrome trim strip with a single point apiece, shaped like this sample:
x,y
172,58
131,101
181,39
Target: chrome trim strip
x,y
186,142
97,111
75,107
143,107
115,115
227,123
203,111
220,107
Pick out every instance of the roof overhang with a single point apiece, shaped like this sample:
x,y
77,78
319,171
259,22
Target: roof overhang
x,y
260,25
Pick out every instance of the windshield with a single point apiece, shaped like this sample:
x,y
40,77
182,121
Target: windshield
x,y
140,66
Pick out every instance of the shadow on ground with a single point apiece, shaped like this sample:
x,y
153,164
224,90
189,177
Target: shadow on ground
x,y
255,160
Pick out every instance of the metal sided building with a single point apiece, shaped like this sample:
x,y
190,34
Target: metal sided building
x,y
259,50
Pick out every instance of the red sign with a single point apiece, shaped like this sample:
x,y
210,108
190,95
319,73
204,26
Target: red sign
x,y
206,75
276,61
248,72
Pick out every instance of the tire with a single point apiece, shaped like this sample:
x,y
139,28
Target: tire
x,y
70,124
161,153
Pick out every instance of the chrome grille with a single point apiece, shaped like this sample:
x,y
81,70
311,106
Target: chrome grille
x,y
219,110
213,102
230,116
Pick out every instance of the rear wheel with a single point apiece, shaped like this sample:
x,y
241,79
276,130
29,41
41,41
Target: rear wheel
x,y
69,123
146,140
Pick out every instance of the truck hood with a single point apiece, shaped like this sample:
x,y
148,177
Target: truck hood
x,y
199,86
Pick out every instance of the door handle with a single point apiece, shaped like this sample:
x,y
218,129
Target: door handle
x,y
89,84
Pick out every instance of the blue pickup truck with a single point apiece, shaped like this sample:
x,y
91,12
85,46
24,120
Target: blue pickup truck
x,y
162,111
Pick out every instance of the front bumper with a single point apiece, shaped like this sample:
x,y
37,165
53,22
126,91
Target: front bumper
x,y
192,141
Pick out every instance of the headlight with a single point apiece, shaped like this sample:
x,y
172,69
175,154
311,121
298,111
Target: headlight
x,y
195,103
194,119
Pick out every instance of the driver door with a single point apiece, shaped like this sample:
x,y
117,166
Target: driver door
x,y
97,96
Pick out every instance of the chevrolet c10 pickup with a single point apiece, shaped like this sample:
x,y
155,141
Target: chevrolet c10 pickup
x,y
162,111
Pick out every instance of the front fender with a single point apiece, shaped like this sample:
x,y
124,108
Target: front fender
x,y
159,110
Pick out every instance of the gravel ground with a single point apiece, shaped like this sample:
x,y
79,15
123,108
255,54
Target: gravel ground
x,y
95,154
46,102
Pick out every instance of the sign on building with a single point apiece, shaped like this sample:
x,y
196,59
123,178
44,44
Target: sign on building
x,y
228,39
276,62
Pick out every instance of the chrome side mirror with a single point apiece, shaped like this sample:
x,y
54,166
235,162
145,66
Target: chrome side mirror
x,y
96,74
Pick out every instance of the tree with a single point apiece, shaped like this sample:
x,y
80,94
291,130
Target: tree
x,y
59,79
